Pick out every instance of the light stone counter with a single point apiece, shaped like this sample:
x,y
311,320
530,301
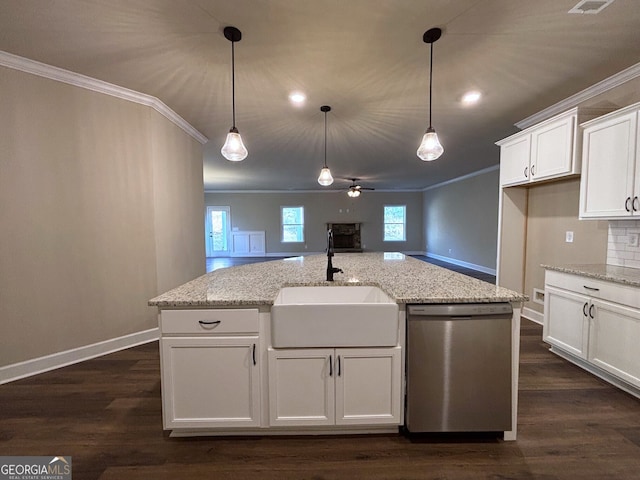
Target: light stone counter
x,y
610,273
405,279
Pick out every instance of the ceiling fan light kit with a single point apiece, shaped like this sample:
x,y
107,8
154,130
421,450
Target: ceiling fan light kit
x,y
233,148
430,147
355,190
325,179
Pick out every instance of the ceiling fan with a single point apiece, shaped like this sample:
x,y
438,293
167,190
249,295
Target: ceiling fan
x,y
355,189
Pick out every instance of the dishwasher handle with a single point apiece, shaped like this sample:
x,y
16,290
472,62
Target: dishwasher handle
x,y
460,310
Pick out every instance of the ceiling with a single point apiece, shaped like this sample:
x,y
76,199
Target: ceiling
x,y
364,58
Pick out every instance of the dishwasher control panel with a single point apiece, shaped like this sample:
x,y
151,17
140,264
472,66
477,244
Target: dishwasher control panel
x,y
461,309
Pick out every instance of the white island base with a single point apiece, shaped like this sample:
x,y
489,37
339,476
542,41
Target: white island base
x,y
222,376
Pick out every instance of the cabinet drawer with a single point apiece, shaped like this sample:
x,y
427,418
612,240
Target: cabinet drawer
x,y
611,291
209,322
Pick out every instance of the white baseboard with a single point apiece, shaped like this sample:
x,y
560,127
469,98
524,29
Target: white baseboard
x,y
35,366
461,263
532,315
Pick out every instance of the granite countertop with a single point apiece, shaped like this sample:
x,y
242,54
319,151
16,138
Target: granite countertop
x,y
403,278
601,271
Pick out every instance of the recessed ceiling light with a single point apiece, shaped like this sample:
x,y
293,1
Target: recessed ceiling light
x,y
471,98
297,98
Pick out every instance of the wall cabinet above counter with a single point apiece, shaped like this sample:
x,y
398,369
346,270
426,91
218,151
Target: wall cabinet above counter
x,y
548,150
610,182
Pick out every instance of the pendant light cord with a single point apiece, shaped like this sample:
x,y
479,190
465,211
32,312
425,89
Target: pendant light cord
x,y
430,83
325,139
233,83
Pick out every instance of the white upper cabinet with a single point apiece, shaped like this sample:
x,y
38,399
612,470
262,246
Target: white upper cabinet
x,y
545,151
610,183
514,160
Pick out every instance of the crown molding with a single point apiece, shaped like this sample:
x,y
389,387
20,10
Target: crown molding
x,y
576,100
331,190
463,177
76,79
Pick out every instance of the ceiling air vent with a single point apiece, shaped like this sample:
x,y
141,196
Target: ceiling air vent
x,y
590,6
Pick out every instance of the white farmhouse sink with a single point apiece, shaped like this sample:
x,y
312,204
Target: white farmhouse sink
x,y
341,316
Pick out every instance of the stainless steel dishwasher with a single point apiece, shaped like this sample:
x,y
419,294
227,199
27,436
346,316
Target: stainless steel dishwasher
x,y
459,368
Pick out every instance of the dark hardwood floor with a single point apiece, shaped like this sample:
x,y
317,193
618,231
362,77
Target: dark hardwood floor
x,y
214,263
487,277
106,414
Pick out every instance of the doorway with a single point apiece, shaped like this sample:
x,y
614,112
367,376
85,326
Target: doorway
x,y
217,227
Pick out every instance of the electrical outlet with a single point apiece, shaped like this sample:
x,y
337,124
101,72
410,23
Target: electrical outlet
x,y
568,237
632,240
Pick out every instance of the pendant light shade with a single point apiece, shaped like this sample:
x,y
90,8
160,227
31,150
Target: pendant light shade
x,y
233,148
430,148
325,179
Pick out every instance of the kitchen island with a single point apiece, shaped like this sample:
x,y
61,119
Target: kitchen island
x,y
221,374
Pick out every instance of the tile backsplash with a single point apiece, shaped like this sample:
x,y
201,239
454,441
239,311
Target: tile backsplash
x,y
619,250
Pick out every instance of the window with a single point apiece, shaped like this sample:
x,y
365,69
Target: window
x,y
293,224
395,222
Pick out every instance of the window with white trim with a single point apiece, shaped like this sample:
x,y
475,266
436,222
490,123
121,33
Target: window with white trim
x,y
395,223
292,224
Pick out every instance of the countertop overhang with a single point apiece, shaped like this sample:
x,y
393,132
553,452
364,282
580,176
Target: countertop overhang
x,y
403,278
601,271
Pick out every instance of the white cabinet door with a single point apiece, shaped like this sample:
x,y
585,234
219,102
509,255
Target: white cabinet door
x,y
368,384
614,343
301,387
514,161
552,150
256,243
609,158
210,382
566,322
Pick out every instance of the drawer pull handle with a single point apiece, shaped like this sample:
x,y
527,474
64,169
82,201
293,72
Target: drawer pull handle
x,y
330,365
584,308
591,288
339,372
626,204
211,324
525,172
591,310
254,354
634,203
533,170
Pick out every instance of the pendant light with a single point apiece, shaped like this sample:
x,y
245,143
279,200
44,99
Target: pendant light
x,y
430,148
325,179
233,148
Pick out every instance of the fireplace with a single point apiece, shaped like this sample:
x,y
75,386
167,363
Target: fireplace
x,y
346,237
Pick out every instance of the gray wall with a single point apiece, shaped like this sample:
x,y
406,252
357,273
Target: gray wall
x,y
101,209
461,219
261,211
